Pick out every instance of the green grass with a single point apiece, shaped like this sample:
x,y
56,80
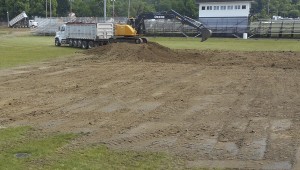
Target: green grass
x,y
102,158
20,140
230,44
48,151
18,50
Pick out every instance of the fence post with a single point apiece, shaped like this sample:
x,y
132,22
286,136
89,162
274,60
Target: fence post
x,y
293,30
270,29
281,28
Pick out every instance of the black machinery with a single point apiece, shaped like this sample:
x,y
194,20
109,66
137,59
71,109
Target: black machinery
x,y
139,24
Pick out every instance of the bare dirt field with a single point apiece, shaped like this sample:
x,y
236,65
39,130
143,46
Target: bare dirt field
x,y
211,108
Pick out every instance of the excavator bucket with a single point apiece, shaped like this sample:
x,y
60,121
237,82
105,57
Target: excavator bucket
x,y
206,33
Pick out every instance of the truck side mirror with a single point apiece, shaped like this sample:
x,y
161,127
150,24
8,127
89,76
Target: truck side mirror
x,y
59,28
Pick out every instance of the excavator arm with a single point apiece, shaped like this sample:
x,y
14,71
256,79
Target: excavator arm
x,y
139,23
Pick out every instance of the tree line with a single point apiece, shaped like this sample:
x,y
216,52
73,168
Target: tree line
x,y
94,8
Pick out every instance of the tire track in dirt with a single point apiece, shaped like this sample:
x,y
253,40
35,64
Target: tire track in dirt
x,y
211,108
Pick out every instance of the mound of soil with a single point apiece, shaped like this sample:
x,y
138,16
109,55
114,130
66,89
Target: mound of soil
x,y
150,52
154,52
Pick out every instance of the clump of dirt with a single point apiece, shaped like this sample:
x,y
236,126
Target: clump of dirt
x,y
154,52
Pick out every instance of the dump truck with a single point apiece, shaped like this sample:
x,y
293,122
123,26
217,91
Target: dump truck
x,y
88,35
19,21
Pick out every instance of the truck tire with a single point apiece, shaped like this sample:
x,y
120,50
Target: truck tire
x,y
74,43
79,43
138,41
145,40
71,43
57,43
84,45
91,44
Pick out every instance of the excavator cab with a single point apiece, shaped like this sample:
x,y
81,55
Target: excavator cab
x,y
131,21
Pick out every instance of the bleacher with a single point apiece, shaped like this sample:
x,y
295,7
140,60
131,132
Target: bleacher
x,y
275,28
49,26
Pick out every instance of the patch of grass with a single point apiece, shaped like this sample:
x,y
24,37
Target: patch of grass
x,y
10,135
20,140
48,151
22,49
103,158
230,44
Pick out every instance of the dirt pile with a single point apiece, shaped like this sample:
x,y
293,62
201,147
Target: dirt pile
x,y
153,52
150,52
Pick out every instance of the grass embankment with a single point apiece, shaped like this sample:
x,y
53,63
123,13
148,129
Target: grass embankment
x,y
17,48
230,44
25,148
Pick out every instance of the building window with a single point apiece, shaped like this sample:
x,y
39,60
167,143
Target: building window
x,y
237,7
230,7
244,7
223,7
203,8
209,7
216,7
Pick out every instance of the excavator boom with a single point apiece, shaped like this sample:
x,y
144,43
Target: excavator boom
x,y
139,23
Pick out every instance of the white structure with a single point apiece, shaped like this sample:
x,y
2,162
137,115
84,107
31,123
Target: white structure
x,y
225,16
224,8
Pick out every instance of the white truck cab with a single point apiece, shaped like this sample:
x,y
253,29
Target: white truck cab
x,y
32,24
61,35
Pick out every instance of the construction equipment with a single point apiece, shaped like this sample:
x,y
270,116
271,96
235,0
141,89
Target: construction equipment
x,y
19,21
139,22
88,35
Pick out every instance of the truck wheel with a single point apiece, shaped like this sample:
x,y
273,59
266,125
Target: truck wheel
x,y
74,43
79,43
138,41
91,44
57,43
84,45
71,43
145,40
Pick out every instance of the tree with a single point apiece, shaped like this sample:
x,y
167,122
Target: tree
x,y
294,13
89,8
63,7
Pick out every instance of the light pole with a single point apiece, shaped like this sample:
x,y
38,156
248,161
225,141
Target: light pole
x,y
268,7
70,6
128,8
104,10
50,9
46,8
113,8
7,19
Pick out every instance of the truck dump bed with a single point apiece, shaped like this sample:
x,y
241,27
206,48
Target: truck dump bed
x,y
91,31
17,19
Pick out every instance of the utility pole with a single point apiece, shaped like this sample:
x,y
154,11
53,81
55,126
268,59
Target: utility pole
x,y
268,7
113,1
46,9
128,8
70,6
7,19
50,9
104,10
